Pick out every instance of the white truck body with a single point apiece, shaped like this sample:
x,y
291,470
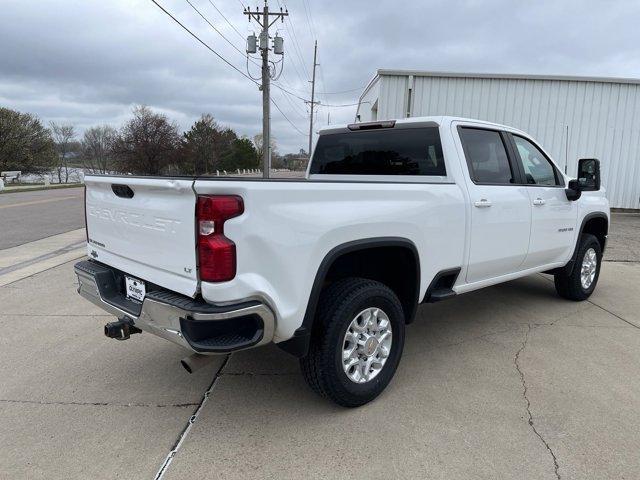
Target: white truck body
x,y
487,233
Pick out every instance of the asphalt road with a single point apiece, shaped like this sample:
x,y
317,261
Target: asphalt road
x,y
29,216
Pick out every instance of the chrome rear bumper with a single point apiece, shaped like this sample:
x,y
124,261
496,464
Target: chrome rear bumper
x,y
196,325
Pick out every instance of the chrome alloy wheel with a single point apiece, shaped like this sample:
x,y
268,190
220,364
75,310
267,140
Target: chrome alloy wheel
x,y
366,345
588,269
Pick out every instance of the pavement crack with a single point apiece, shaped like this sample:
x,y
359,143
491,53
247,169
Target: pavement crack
x,y
516,361
98,404
192,419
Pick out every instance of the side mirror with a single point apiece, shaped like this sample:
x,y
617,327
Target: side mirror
x,y
589,174
573,191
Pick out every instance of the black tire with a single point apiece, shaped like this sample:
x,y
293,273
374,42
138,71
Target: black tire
x,y
569,286
339,304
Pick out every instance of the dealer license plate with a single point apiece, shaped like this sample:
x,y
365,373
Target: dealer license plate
x,y
135,288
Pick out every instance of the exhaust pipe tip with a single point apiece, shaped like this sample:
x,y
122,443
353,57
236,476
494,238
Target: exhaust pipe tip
x,y
195,362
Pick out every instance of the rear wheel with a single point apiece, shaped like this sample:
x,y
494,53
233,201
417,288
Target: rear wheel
x,y
581,283
357,342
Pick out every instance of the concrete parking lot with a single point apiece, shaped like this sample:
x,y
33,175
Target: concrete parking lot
x,y
507,382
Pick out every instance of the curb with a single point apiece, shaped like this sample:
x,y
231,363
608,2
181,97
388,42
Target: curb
x,y
36,189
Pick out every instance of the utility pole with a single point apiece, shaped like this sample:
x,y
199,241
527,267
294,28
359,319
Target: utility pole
x,y
264,21
313,91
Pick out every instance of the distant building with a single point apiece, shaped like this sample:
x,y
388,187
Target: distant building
x,y
296,161
572,117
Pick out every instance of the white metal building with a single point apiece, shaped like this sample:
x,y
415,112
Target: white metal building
x,y
571,117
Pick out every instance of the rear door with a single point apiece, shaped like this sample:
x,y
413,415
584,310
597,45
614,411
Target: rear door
x,y
500,208
553,217
144,227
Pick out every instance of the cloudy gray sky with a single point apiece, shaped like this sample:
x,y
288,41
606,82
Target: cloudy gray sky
x,y
89,62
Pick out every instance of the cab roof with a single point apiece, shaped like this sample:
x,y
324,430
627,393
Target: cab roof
x,y
433,121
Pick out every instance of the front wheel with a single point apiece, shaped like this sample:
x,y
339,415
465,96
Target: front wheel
x,y
357,343
581,283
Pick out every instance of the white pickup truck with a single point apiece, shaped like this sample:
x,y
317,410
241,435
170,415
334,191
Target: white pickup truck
x,y
332,267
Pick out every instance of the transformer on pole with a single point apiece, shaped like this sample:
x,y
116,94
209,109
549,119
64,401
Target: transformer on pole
x,y
264,19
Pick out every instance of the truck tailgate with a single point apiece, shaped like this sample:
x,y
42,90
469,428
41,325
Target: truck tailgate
x,y
144,227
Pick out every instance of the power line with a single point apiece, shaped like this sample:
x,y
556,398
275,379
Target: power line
x,y
296,49
296,43
218,31
307,12
343,105
204,44
329,93
343,91
227,20
293,63
286,83
324,83
287,118
290,93
294,106
296,46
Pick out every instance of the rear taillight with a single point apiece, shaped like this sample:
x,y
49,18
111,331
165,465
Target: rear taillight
x,y
217,254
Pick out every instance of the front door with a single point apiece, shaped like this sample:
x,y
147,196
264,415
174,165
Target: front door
x,y
500,208
553,218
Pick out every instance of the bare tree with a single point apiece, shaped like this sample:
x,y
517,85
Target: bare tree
x,y
97,155
258,145
63,134
148,144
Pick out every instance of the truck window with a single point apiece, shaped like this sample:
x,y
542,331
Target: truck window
x,y
538,170
409,151
486,156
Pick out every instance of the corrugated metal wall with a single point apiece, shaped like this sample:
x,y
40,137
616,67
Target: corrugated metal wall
x,y
599,119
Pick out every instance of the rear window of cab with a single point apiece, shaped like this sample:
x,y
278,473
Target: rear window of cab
x,y
408,151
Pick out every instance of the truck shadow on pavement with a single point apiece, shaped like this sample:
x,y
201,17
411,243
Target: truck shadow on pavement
x,y
440,331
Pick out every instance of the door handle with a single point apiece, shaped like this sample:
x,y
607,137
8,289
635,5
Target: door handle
x,y
482,203
539,201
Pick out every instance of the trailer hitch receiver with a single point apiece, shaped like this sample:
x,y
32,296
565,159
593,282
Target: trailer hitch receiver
x,y
121,330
